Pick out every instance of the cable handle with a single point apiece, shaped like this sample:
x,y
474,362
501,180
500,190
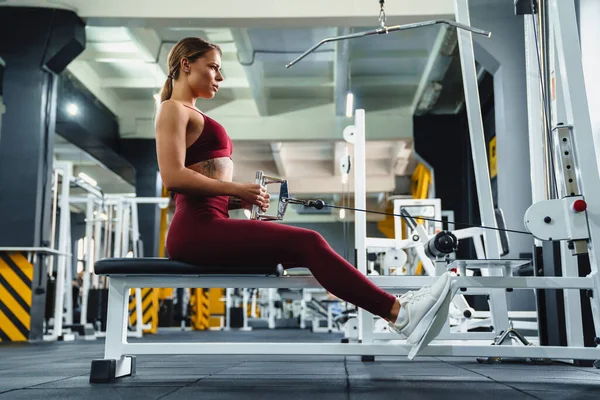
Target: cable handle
x,y
264,180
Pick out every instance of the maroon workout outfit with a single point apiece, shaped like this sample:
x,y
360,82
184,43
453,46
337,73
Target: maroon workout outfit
x,y
202,233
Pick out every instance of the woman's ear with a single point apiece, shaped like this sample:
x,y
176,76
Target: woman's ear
x,y
185,65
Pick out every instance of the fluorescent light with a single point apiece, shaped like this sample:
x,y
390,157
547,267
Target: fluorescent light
x,y
87,178
72,109
342,213
349,104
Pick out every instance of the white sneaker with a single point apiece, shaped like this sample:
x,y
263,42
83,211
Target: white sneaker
x,y
418,309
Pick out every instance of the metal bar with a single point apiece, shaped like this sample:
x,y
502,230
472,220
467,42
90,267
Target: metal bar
x,y
116,321
365,319
537,153
50,260
349,349
480,161
389,29
98,244
118,237
448,335
87,270
568,51
64,228
391,283
43,250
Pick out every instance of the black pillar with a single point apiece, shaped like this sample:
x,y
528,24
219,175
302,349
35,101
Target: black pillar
x,y
141,153
37,44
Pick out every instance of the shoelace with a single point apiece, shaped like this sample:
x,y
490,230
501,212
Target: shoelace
x,y
410,297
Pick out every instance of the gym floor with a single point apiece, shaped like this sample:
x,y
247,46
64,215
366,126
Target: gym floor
x,y
61,371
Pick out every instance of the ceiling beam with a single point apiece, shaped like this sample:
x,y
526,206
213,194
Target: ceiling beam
x,y
341,72
324,185
149,44
237,13
85,73
291,82
396,153
304,124
444,34
280,155
253,70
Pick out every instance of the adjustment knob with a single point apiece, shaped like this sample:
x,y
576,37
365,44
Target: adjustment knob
x,y
319,204
579,206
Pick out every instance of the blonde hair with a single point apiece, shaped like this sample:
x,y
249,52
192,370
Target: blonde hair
x,y
190,48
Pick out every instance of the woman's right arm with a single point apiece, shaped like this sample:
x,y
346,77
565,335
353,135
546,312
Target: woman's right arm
x,y
171,123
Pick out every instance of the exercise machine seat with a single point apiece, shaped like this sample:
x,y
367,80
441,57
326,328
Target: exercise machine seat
x,y
166,266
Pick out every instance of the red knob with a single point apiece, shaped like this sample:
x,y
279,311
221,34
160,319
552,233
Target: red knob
x,y
579,206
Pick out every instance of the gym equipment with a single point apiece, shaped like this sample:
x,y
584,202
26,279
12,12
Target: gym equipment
x,y
119,357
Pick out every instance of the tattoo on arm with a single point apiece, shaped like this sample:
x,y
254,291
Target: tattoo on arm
x,y
209,168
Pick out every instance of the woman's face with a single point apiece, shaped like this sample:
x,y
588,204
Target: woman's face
x,y
205,75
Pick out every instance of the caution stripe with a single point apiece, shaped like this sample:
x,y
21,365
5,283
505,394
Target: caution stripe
x,y
205,306
6,290
3,336
16,275
23,265
147,307
200,309
10,328
15,321
15,303
16,278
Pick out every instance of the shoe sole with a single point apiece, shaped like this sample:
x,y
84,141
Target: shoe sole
x,y
425,323
436,326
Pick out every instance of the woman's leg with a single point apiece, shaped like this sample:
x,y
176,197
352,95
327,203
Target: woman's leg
x,y
244,242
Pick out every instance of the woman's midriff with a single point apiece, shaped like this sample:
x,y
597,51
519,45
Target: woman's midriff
x,y
192,212
204,207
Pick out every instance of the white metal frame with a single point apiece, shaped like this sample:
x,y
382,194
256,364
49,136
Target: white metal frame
x,y
126,228
63,298
569,56
117,346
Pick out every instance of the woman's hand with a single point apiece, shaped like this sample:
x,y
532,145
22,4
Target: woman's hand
x,y
264,207
253,194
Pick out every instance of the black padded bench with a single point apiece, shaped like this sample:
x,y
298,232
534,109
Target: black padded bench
x,y
166,266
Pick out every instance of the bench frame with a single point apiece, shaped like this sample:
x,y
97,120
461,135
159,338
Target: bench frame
x,y
119,354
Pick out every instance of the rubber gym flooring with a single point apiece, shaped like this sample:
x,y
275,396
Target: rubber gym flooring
x,y
61,371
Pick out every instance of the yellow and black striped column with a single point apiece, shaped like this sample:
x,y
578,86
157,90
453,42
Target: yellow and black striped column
x,y
200,301
149,309
16,275
217,307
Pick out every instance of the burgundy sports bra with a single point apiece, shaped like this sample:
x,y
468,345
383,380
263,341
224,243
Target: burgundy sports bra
x,y
212,143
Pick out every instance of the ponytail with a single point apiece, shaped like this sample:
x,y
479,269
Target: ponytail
x,y
167,90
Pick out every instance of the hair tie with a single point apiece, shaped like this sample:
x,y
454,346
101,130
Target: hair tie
x,y
170,76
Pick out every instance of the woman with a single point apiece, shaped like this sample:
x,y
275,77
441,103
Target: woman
x,y
194,157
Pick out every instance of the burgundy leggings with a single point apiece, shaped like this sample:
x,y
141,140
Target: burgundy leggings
x,y
202,233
